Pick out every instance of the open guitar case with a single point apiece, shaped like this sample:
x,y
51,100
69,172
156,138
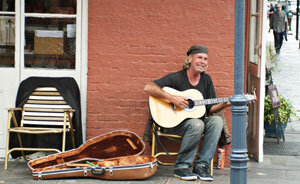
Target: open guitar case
x,y
112,156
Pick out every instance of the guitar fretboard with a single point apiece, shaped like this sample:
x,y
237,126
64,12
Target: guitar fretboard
x,y
210,101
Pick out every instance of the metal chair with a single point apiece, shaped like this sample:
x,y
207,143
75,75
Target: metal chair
x,y
45,112
156,153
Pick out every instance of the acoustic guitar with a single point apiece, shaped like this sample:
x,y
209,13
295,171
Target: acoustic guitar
x,y
166,115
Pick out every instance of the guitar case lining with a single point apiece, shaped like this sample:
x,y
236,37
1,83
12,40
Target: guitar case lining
x,y
112,156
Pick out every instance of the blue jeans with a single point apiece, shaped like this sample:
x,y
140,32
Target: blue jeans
x,y
191,131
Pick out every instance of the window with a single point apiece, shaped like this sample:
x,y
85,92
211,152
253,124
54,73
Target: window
x,y
50,34
7,33
253,34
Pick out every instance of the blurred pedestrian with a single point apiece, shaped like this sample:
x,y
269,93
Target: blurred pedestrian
x,y
271,10
279,24
288,15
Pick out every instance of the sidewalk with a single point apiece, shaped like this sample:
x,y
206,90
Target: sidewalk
x,y
274,170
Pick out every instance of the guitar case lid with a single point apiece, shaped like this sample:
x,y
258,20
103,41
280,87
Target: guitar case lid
x,y
115,156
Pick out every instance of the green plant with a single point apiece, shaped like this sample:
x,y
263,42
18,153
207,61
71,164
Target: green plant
x,y
271,64
271,59
286,110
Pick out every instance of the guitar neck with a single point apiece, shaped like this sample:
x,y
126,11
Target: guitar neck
x,y
210,101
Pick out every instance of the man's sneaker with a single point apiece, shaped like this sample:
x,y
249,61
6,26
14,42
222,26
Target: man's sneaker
x,y
203,173
185,174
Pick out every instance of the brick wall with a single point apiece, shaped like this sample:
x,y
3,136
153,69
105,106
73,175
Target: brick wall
x,y
132,42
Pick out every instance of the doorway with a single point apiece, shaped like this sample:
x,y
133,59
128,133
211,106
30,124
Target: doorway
x,y
255,75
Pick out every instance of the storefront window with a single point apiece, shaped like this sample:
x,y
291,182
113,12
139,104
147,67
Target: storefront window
x,y
7,33
50,34
7,40
7,5
253,32
50,42
50,6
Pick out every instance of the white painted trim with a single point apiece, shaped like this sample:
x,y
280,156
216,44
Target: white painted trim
x,y
7,13
78,48
22,38
50,15
262,82
84,66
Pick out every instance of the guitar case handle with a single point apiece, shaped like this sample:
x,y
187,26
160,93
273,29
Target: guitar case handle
x,y
98,171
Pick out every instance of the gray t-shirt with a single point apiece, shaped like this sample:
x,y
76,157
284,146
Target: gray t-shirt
x,y
278,21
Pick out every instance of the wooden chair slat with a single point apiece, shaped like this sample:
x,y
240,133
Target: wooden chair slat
x,y
45,102
38,113
48,93
44,118
45,89
48,110
33,130
47,106
44,123
32,97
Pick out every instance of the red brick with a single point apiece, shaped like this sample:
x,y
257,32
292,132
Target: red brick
x,y
135,42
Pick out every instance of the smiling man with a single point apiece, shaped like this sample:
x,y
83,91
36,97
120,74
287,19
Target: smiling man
x,y
192,76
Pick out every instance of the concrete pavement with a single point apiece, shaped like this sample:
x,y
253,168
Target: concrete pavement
x,y
274,170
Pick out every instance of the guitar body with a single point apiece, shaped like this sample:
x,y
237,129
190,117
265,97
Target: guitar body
x,y
166,116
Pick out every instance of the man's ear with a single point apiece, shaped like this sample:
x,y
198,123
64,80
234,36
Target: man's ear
x,y
190,58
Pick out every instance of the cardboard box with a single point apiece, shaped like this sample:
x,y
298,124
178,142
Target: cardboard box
x,y
48,42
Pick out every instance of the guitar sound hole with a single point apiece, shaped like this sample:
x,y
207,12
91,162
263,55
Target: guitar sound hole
x,y
191,103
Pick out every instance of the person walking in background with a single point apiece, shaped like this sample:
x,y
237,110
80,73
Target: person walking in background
x,y
271,10
288,15
279,24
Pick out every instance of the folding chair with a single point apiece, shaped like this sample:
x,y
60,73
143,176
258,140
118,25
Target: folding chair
x,y
156,153
45,112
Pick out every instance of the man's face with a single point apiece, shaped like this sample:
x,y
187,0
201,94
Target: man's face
x,y
277,8
198,62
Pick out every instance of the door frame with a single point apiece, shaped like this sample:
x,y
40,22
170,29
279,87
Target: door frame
x,y
265,27
257,70
80,72
84,64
